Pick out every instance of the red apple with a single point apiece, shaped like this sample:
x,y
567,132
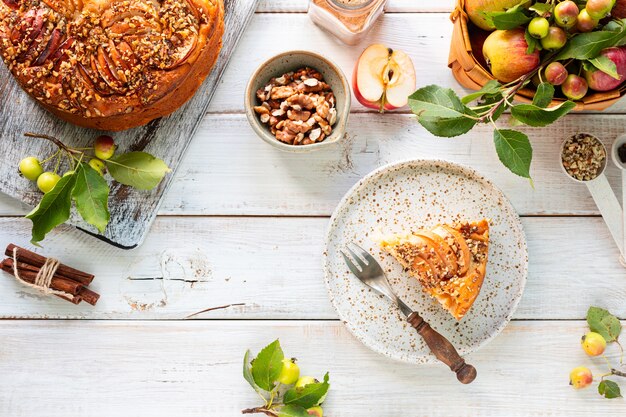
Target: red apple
x,y
619,10
601,81
506,52
383,78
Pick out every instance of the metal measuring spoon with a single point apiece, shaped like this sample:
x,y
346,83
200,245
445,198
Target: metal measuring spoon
x,y
619,142
604,197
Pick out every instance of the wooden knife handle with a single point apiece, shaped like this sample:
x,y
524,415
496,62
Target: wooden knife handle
x,y
443,349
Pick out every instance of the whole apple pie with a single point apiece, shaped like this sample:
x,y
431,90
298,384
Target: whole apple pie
x,y
111,64
450,261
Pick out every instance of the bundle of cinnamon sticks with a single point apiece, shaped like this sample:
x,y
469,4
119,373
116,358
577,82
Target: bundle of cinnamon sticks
x,y
65,279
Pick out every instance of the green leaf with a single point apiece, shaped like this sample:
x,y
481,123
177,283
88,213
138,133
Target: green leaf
x,y
293,411
533,115
588,45
605,65
533,43
440,111
267,366
510,19
53,209
604,323
609,389
308,396
247,373
137,169
542,9
492,87
514,151
91,195
543,95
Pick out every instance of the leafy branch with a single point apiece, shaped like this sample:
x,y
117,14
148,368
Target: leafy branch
x,y
605,328
440,111
84,183
278,383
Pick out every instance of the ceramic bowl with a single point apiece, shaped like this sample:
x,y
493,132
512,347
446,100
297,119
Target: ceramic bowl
x,y
291,61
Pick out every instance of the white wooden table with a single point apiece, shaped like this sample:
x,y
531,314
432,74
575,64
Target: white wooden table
x,y
244,224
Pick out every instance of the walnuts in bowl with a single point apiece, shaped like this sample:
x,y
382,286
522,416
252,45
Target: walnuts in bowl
x,y
298,107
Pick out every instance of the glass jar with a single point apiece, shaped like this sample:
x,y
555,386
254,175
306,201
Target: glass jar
x,y
348,20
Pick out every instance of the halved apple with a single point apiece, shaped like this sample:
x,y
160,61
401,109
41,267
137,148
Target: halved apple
x,y
383,78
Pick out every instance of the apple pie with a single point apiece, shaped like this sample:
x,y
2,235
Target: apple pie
x,y
111,64
449,261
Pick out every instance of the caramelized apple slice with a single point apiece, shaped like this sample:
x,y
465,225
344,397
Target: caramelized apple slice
x,y
128,11
92,82
13,4
53,44
183,52
61,52
63,7
443,250
103,69
464,261
116,59
429,254
128,55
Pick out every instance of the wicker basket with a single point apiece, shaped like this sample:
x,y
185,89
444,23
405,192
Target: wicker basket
x,y
471,73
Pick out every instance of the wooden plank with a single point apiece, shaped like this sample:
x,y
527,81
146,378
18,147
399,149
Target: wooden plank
x,y
100,369
132,211
230,171
425,37
273,266
393,6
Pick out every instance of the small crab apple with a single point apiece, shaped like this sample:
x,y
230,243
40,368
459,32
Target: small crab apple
x,y
98,166
383,78
580,377
47,181
593,344
104,147
30,168
566,14
599,9
290,372
575,87
316,411
555,39
306,380
585,23
538,27
556,73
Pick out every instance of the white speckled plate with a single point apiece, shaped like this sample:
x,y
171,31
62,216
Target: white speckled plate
x,y
404,197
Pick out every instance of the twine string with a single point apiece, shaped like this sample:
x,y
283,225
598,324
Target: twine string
x,y
43,280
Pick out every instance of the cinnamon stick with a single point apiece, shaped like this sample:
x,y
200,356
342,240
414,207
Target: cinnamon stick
x,y
27,274
28,257
88,296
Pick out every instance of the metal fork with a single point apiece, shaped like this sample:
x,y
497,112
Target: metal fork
x,y
371,274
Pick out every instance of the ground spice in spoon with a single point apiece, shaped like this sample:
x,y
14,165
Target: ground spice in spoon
x,y
583,157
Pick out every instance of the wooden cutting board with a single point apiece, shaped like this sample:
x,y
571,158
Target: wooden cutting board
x,y
132,211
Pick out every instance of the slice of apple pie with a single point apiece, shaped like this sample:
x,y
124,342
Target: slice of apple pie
x,y
449,261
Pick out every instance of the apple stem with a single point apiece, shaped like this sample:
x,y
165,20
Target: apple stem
x,y
260,410
54,140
